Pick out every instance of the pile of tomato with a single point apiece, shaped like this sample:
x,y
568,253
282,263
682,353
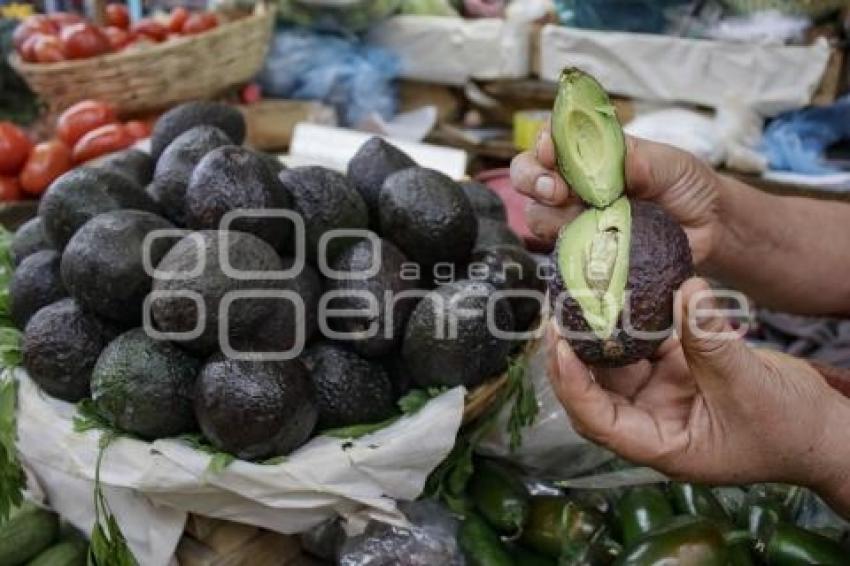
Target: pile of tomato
x,y
87,130
62,36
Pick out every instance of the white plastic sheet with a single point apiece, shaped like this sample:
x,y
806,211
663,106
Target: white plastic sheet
x,y
768,78
151,487
454,50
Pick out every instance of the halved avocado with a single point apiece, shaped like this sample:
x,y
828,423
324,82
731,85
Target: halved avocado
x,y
617,271
588,139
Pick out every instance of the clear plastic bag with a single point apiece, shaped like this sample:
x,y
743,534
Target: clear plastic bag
x,y
355,78
550,446
348,16
430,539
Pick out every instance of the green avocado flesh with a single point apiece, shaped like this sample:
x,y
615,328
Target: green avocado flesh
x,y
588,139
593,258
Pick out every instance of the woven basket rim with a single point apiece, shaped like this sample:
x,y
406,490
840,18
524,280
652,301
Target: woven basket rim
x,y
174,44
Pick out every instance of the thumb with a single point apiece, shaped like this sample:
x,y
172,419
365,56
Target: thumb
x,y
713,350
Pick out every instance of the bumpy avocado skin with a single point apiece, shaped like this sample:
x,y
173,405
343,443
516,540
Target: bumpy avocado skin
x,y
230,178
326,201
35,284
485,202
369,168
427,216
135,164
659,262
350,390
175,166
277,333
145,386
178,314
61,345
509,268
186,116
81,194
255,410
29,238
102,265
467,359
495,233
390,279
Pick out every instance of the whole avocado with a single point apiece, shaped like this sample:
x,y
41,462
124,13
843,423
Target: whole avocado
x,y
35,284
278,332
145,386
427,216
230,178
81,194
186,116
485,202
357,290
174,313
350,390
29,238
255,410
659,261
495,233
376,160
60,347
509,268
326,201
436,356
176,164
135,164
103,264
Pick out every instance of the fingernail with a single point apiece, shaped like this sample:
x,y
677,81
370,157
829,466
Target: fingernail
x,y
545,187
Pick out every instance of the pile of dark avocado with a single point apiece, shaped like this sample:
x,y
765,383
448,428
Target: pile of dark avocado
x,y
136,288
619,264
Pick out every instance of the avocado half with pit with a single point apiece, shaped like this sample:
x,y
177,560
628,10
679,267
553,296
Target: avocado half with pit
x,y
619,264
617,273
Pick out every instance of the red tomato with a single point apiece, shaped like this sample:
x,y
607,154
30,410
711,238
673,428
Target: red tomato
x,y
47,161
151,29
48,49
199,23
117,16
177,19
118,38
15,146
31,26
27,50
105,139
138,129
82,41
83,117
10,190
62,19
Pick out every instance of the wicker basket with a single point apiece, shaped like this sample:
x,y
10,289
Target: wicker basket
x,y
160,75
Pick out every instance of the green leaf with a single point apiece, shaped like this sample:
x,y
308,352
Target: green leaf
x,y
108,546
12,478
354,432
524,409
415,399
87,418
219,460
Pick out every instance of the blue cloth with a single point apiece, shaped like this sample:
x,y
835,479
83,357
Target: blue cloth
x,y
796,141
355,78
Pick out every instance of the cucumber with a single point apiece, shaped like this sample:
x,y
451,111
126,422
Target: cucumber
x,y
69,553
23,537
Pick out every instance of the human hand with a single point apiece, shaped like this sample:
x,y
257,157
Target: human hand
x,y
709,409
683,185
